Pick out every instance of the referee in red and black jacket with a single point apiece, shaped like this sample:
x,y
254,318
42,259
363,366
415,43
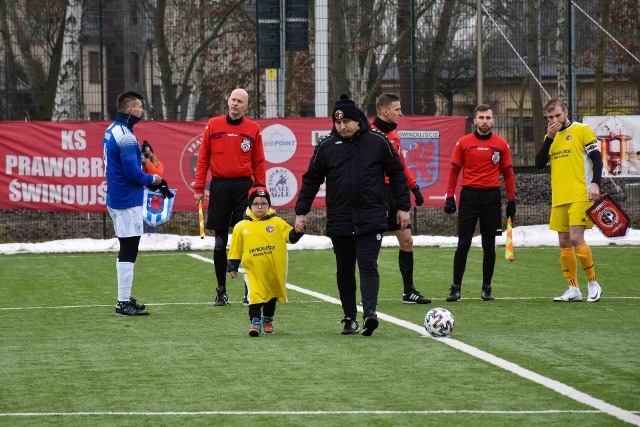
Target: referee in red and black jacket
x,y
481,156
232,148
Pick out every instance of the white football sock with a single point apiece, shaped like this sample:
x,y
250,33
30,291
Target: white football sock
x,y
125,279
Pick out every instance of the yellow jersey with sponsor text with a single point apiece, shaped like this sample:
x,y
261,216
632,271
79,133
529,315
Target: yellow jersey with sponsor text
x,y
571,167
261,245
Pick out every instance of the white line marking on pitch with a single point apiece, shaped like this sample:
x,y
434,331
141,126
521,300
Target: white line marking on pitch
x,y
554,385
354,412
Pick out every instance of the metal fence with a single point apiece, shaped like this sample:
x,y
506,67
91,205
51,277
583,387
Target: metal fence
x,y
533,207
67,60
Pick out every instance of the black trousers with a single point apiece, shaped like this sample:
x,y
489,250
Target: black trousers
x,y
268,308
477,205
363,249
227,203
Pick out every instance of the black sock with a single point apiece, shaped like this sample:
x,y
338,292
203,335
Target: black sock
x,y
405,262
220,264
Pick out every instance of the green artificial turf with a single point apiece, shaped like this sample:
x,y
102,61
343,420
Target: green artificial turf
x,y
62,350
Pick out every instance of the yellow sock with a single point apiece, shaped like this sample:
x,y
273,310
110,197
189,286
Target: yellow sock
x,y
569,265
586,260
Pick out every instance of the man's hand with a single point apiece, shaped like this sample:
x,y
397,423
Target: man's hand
x,y
418,195
157,179
233,274
510,210
198,197
301,223
403,219
553,129
450,205
594,191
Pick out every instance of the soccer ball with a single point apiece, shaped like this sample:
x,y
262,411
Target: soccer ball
x,y
439,322
184,244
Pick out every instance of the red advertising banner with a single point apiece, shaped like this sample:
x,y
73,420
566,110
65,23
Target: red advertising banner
x,y
59,166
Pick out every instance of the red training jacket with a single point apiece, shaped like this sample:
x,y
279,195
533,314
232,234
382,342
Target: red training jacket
x,y
230,151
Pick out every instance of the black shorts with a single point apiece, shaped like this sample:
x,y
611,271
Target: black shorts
x,y
481,205
228,200
392,221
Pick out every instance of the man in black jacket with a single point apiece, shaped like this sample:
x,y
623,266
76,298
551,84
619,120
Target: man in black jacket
x,y
354,160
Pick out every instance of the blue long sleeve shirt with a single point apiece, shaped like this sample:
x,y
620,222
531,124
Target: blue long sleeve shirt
x,y
123,165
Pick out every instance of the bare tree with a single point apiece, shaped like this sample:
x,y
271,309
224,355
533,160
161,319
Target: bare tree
x,y
38,33
339,59
67,104
561,50
603,14
179,47
433,55
532,10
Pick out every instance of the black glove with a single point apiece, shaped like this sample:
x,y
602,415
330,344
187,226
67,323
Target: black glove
x,y
510,210
418,195
450,205
163,187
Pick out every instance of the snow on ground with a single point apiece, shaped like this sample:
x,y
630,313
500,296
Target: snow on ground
x,y
535,235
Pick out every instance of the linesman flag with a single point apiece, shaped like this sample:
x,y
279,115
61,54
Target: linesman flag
x,y
508,248
609,218
201,219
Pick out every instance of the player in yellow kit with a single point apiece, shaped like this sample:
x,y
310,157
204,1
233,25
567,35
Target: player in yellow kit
x,y
259,241
576,169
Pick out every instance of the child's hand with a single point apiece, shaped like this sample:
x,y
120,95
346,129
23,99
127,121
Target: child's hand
x,y
233,274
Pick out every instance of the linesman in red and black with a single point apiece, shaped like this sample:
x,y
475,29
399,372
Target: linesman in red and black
x,y
232,149
481,156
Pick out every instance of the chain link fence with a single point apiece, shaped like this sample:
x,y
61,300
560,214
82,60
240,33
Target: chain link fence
x,y
67,60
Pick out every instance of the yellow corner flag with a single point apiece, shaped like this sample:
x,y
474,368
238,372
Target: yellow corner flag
x,y
508,248
201,219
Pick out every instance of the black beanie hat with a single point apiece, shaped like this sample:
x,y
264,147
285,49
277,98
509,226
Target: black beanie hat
x,y
259,190
345,108
146,147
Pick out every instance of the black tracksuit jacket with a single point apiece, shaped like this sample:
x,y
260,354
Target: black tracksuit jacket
x,y
354,169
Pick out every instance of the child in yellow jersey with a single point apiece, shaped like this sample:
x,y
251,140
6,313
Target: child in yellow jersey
x,y
576,168
259,241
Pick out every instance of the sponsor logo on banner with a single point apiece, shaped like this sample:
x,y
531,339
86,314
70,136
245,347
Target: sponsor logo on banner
x,y
421,149
279,143
282,185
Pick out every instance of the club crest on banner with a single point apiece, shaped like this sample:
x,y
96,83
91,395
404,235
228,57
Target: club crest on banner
x,y
421,149
189,161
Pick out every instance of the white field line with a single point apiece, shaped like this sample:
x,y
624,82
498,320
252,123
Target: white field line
x,y
311,301
554,385
353,412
